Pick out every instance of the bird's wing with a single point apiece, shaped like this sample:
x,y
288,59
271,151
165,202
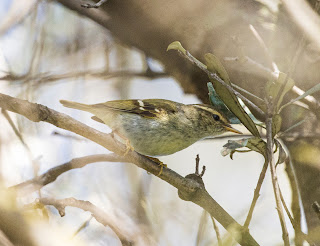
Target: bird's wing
x,y
148,108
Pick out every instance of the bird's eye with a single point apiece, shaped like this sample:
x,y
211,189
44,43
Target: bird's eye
x,y
216,117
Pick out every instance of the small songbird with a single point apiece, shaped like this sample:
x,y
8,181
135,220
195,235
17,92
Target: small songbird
x,y
157,127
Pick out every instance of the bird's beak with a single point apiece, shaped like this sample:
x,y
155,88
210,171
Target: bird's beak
x,y
231,129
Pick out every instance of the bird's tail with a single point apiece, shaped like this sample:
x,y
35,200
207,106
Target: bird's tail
x,y
76,105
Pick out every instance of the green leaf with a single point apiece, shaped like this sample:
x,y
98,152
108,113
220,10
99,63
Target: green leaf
x,y
276,124
217,102
257,145
314,89
176,45
229,99
273,88
282,154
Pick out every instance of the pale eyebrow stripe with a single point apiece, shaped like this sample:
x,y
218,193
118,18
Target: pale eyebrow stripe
x,y
222,118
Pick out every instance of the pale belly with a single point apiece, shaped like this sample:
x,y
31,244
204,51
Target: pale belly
x,y
155,140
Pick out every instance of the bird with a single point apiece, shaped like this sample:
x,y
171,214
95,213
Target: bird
x,y
157,127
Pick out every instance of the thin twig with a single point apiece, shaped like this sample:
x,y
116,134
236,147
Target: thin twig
x,y
268,74
68,136
197,167
216,229
14,128
293,222
44,77
243,98
291,68
126,231
310,100
251,66
4,240
215,76
285,235
34,161
201,233
247,92
286,209
52,174
82,226
197,164
264,48
256,195
295,203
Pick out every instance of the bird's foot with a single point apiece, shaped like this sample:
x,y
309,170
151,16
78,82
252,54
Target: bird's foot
x,y
160,163
128,147
127,142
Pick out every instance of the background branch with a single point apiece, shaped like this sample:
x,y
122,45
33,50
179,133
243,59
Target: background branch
x,y
52,174
256,194
121,225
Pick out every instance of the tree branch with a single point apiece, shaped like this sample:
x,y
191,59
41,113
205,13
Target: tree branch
x,y
123,227
256,194
37,112
52,174
46,77
275,185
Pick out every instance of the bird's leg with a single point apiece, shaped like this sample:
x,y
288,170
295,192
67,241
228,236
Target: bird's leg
x,y
160,163
127,141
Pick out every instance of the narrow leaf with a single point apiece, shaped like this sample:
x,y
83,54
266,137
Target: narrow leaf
x,y
273,88
217,102
230,100
258,145
282,154
176,45
314,89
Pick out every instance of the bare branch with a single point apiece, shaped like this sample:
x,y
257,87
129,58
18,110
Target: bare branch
x,y
275,185
295,204
33,160
46,77
52,174
293,222
256,195
121,224
192,59
216,229
253,67
199,196
4,240
305,18
265,49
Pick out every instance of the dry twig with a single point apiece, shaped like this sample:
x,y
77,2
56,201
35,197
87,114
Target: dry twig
x,y
256,195
52,174
275,185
